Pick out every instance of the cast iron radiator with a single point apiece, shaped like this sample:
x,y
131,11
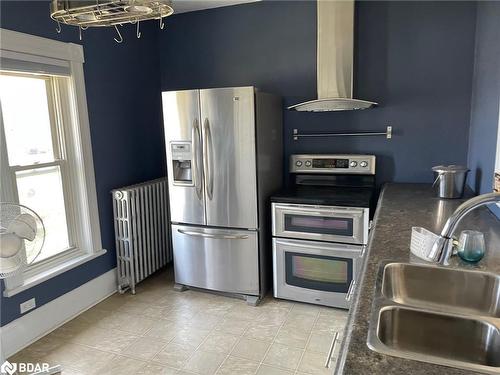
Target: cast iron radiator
x,y
141,231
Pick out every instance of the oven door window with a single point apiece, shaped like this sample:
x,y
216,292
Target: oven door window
x,y
339,226
318,272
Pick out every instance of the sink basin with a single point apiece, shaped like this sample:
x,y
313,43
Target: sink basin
x,y
445,336
439,315
434,287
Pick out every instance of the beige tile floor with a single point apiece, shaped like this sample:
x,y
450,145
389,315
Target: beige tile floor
x,y
162,331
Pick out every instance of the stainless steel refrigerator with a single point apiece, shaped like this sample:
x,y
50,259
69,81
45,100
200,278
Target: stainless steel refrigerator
x,y
224,159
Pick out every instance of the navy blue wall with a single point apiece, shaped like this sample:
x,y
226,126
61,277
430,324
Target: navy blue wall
x,y
414,58
485,98
124,103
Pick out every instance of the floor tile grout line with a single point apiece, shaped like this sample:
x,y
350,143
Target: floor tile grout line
x,y
157,352
242,336
307,342
198,347
142,360
115,354
274,338
166,344
214,329
234,346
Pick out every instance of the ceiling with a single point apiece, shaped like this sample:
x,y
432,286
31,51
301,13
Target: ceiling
x,y
183,6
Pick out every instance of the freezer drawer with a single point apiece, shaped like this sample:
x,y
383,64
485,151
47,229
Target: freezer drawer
x,y
218,259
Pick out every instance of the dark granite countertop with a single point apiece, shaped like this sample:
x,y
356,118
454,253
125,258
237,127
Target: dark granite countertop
x,y
400,207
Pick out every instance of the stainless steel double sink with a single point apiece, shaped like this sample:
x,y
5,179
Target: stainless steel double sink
x,y
439,315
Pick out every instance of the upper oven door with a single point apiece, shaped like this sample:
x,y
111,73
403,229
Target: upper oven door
x,y
322,223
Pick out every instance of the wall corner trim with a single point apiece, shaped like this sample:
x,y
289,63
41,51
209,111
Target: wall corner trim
x,y
25,330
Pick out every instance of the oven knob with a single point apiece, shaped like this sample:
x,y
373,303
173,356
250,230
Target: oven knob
x,y
363,164
353,164
308,163
298,163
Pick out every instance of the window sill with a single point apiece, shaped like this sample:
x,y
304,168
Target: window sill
x,y
55,271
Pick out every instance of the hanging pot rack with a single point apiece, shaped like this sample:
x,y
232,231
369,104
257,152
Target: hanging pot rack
x,y
387,134
108,13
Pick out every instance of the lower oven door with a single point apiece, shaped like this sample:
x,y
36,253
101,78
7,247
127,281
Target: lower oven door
x,y
315,272
225,260
321,223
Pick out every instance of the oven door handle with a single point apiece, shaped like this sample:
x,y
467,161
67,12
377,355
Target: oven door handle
x,y
315,213
363,251
348,251
333,213
320,210
350,291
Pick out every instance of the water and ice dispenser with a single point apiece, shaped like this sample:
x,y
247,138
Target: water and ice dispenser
x,y
182,163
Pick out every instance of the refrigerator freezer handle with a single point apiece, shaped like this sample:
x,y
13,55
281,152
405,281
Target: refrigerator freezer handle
x,y
210,235
195,136
208,159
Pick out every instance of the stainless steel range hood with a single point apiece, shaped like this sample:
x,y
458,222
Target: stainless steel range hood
x,y
335,60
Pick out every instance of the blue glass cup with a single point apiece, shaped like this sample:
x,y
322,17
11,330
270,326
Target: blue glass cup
x,y
471,246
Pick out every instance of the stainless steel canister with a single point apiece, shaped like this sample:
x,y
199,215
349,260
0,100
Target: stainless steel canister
x,y
450,180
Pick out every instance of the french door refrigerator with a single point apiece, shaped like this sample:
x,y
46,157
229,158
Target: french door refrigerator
x,y
224,159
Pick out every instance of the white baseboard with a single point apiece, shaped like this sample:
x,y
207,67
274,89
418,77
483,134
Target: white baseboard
x,y
25,330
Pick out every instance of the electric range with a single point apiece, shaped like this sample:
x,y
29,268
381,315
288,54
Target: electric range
x,y
321,226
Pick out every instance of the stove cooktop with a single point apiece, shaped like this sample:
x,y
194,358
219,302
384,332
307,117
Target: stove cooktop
x,y
326,195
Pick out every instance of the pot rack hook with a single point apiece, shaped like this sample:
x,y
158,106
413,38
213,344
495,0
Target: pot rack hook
x,y
58,28
138,33
162,24
119,35
80,32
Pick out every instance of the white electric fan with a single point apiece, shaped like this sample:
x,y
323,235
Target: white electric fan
x,y
22,235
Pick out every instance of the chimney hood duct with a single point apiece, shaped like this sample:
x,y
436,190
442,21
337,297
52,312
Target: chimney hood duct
x,y
335,60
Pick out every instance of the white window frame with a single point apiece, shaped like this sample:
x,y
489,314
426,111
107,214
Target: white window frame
x,y
80,179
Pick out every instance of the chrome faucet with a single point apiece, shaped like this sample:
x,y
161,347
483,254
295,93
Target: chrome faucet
x,y
443,247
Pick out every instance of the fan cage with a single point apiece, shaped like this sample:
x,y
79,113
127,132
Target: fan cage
x,y
10,266
108,13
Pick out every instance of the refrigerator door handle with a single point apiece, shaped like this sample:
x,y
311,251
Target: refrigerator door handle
x,y
195,136
208,159
210,235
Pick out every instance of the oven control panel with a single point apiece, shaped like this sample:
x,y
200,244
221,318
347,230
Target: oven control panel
x,y
333,164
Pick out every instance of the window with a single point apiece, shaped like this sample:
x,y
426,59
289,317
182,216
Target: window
x,y
45,154
35,149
